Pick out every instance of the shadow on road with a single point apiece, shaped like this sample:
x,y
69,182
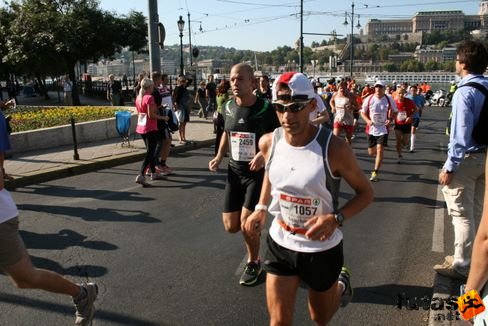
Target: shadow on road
x,y
100,315
72,192
93,215
82,271
388,294
62,240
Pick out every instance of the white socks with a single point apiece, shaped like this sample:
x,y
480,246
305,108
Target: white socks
x,y
412,142
342,286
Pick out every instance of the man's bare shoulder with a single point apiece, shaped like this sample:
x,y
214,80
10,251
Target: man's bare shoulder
x,y
339,154
266,140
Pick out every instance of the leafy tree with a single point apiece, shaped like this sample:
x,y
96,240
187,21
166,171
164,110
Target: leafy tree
x,y
50,37
6,18
390,67
449,66
432,65
412,65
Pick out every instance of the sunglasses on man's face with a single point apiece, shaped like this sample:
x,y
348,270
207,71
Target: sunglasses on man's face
x,y
292,107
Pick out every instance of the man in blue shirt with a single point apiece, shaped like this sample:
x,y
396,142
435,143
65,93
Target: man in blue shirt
x,y
463,172
419,102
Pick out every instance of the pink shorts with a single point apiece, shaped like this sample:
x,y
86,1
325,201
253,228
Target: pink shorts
x,y
347,128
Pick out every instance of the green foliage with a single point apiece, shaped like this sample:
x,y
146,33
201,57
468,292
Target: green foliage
x,y
26,118
390,67
437,37
432,65
47,38
412,65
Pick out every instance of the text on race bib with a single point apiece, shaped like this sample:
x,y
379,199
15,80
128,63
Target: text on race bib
x,y
243,145
402,116
295,211
379,118
142,119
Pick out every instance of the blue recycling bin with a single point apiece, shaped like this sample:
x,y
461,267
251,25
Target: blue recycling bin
x,y
122,124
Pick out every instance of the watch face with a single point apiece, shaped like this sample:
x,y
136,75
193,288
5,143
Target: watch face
x,y
339,218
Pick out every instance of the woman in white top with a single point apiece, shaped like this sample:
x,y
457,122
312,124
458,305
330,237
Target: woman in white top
x,y
343,106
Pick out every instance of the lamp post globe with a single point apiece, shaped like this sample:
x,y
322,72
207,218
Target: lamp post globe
x,y
181,27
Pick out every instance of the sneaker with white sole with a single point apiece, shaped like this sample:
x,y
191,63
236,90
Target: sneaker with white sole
x,y
447,269
345,278
166,170
85,308
141,180
156,176
374,176
251,273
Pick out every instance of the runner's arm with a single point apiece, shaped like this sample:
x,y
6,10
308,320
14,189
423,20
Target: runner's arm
x,y
256,221
343,163
365,118
213,165
332,103
322,117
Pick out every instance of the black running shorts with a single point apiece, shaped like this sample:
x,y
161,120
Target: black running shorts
x,y
319,270
416,122
242,189
377,140
405,129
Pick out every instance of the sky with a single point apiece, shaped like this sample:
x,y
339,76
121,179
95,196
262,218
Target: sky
x,y
265,25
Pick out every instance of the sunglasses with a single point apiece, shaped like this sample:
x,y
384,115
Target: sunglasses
x,y
292,107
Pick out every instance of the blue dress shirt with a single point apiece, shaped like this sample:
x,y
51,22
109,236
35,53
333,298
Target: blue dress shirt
x,y
467,104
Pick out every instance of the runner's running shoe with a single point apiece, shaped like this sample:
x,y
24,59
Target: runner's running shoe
x,y
85,308
142,181
251,273
345,278
374,176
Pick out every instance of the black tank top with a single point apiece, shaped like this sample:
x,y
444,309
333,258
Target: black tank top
x,y
258,119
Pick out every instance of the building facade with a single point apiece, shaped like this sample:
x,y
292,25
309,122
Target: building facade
x,y
429,21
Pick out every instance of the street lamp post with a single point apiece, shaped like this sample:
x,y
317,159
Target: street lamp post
x,y
351,16
181,27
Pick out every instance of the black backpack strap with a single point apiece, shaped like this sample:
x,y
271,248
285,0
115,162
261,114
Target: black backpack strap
x,y
478,86
479,131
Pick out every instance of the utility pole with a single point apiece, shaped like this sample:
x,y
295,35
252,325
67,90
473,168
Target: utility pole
x,y
301,36
189,38
152,26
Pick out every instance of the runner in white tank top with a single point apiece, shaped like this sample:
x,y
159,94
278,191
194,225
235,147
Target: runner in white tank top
x,y
303,167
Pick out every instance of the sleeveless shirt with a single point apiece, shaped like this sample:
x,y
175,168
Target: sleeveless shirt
x,y
302,186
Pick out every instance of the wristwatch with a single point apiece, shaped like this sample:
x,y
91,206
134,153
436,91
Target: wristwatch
x,y
339,217
447,171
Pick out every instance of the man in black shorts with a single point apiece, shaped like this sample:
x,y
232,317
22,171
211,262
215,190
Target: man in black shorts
x,y
403,122
247,118
379,111
304,165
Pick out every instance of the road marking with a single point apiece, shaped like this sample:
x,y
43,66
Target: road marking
x,y
438,234
262,248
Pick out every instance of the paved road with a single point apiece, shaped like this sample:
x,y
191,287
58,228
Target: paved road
x,y
161,257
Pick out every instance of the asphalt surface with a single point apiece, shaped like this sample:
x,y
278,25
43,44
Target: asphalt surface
x,y
161,257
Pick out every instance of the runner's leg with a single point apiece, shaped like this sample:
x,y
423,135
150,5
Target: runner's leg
x,y
281,292
324,304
